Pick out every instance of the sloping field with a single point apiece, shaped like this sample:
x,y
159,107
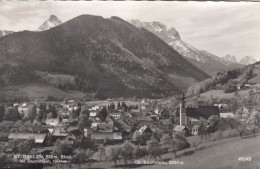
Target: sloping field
x,y
37,92
221,94
222,154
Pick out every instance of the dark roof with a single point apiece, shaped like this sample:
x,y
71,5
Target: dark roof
x,y
202,111
38,129
76,133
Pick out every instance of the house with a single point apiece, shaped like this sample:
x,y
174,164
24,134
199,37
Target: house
x,y
195,130
115,115
221,105
247,86
106,127
74,135
52,121
88,132
93,114
146,131
38,138
60,132
164,114
102,137
69,122
226,115
182,129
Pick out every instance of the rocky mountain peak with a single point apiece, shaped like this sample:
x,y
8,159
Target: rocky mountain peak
x,y
50,23
247,60
157,27
230,58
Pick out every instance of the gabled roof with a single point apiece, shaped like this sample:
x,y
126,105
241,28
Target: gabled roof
x,y
105,126
179,128
106,135
38,138
145,129
202,111
195,127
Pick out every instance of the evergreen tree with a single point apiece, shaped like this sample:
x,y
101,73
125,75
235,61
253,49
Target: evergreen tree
x,y
2,112
31,114
12,114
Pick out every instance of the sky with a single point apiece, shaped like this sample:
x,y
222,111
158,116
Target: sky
x,y
217,27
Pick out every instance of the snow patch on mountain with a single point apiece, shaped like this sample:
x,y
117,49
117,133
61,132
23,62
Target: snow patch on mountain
x,y
247,60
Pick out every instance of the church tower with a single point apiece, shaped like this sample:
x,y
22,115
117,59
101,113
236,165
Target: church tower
x,y
183,117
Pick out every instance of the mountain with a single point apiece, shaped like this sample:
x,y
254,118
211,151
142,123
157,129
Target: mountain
x,y
230,59
50,23
108,56
247,60
4,32
202,59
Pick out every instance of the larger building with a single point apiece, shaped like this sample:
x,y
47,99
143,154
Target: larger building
x,y
189,115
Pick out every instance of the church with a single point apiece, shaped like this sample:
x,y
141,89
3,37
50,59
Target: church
x,y
190,117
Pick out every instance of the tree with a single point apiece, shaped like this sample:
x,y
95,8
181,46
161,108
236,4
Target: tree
x,y
2,112
127,152
140,152
249,73
169,142
118,105
83,122
112,106
82,157
124,106
40,116
50,139
12,114
114,153
25,146
138,138
230,87
154,148
4,160
175,141
31,114
102,153
195,142
201,130
157,135
53,111
103,114
63,148
84,110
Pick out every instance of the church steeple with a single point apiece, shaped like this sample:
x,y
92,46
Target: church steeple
x,y
183,117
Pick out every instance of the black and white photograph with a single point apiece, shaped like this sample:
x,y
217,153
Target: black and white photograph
x,y
129,84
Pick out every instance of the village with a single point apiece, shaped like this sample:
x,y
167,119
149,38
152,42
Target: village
x,y
70,127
